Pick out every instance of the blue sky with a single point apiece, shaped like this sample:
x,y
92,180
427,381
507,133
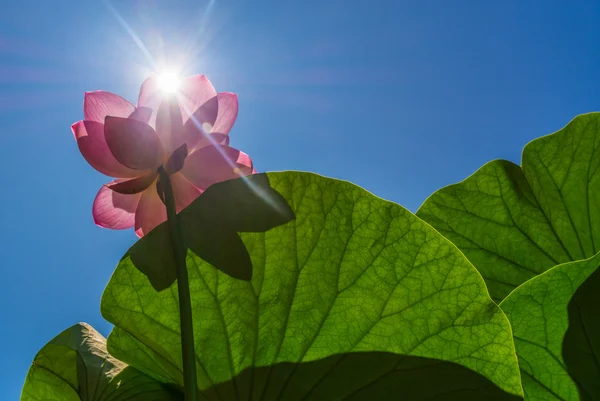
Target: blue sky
x,y
400,97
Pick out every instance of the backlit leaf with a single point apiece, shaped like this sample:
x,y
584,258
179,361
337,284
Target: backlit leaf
x,y
75,366
554,311
516,222
356,290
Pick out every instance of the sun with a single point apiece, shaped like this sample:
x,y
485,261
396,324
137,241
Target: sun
x,y
168,82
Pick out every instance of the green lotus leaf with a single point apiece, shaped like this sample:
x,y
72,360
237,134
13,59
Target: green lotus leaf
x,y
356,299
75,366
548,317
515,222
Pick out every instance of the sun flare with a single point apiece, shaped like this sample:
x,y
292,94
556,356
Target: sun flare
x,y
168,82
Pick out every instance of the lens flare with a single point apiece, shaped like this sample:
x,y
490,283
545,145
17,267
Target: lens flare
x,y
168,82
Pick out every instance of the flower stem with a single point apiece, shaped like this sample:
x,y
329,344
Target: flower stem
x,y
183,287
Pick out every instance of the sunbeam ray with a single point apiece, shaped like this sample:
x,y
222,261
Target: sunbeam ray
x,y
131,32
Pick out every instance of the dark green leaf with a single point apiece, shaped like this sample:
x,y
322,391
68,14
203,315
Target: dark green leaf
x,y
153,256
75,366
218,245
541,312
516,222
353,273
365,376
210,225
581,346
246,204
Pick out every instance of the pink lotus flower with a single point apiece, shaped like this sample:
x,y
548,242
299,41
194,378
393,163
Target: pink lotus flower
x,y
186,133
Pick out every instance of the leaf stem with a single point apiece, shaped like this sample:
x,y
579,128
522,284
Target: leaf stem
x,y
185,302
